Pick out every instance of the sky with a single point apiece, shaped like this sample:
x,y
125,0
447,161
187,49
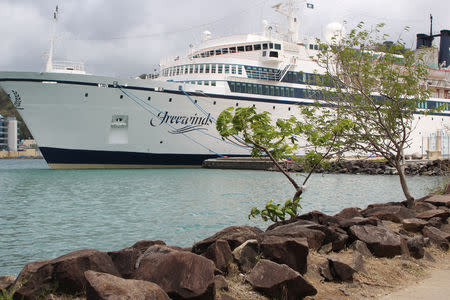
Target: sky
x,y
128,38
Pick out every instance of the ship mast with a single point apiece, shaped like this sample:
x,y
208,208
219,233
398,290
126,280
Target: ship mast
x,y
289,10
49,65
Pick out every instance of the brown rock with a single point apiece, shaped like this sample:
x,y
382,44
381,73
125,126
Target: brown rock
x,y
225,297
413,224
445,228
246,255
440,200
348,213
6,282
279,281
325,271
381,241
358,262
181,274
101,286
286,250
421,206
435,222
394,213
64,274
220,253
347,223
125,259
312,232
441,213
340,270
318,218
234,235
221,283
415,246
437,237
361,247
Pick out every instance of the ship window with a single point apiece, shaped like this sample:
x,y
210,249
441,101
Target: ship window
x,y
240,49
185,69
240,70
277,91
213,68
260,89
273,54
206,82
219,68
191,69
311,46
149,98
316,47
267,90
178,70
192,82
257,47
264,46
244,88
273,107
218,52
199,82
232,87
214,103
170,99
121,97
249,88
207,69
233,69
224,50
238,87
281,92
289,109
202,54
211,53
201,68
196,69
213,83
86,94
292,92
195,101
160,142
255,89
232,49
278,46
264,53
271,45
248,48
272,91
227,69
237,104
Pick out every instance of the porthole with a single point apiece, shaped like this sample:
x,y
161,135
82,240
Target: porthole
x,y
254,105
432,119
237,104
160,142
86,94
273,107
289,109
170,99
121,97
149,98
195,101
214,103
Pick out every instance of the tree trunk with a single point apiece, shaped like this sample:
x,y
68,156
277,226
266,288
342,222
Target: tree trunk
x,y
401,173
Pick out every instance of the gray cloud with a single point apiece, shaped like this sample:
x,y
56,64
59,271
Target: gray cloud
x,y
127,38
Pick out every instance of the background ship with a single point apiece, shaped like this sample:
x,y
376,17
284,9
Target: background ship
x,y
168,119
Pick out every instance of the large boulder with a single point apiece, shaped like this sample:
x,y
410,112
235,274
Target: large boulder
x,y
439,200
286,250
220,253
413,224
394,213
312,232
64,274
348,213
181,274
347,223
102,286
234,235
381,241
340,270
440,213
125,259
421,206
6,282
415,246
279,281
438,237
246,255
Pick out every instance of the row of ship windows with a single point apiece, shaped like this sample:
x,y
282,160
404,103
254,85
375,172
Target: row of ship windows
x,y
202,82
235,49
203,68
270,90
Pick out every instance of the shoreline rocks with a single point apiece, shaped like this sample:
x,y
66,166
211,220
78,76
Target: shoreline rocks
x,y
272,262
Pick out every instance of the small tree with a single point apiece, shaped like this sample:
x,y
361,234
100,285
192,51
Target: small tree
x,y
319,135
378,86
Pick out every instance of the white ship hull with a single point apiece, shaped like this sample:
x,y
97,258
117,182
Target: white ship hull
x,y
84,121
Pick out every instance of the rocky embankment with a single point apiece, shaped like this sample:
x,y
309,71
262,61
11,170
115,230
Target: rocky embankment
x,y
276,263
379,167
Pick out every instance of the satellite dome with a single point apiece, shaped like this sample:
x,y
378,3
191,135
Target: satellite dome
x,y
335,30
206,35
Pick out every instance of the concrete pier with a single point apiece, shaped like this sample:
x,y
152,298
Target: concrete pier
x,y
240,163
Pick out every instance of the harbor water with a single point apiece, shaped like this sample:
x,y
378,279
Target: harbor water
x,y
46,213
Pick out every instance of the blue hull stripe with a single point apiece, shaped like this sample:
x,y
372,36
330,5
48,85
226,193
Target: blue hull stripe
x,y
70,156
177,92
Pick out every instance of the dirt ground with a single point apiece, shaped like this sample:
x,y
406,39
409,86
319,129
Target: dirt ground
x,y
381,277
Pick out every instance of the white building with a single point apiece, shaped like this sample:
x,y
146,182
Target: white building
x,y
8,133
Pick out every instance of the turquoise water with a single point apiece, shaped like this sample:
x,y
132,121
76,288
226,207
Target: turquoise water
x,y
45,213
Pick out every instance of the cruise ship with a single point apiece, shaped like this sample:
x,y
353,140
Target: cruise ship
x,y
168,120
